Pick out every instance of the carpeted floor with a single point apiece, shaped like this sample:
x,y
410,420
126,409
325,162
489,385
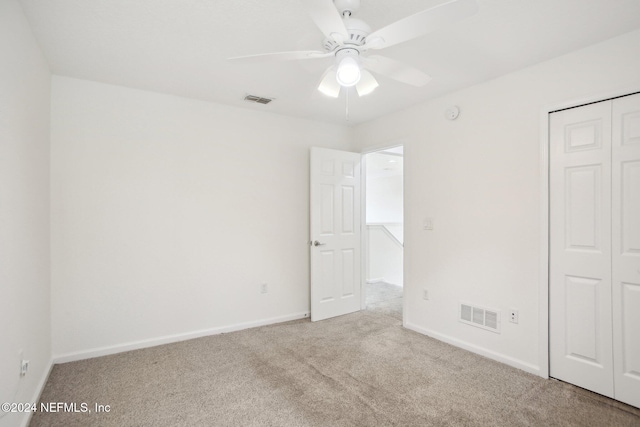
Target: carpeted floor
x,y
384,298
362,369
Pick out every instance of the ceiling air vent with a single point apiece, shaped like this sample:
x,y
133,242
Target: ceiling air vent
x,y
485,318
258,99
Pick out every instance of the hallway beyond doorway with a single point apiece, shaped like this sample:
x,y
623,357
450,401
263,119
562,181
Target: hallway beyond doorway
x,y
385,298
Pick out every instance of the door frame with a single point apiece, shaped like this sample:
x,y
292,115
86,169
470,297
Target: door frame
x,y
364,257
543,289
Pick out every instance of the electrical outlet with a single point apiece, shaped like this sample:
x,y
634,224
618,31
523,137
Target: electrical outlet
x,y
513,316
425,294
264,288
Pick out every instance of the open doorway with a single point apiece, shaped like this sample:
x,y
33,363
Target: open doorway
x,y
384,215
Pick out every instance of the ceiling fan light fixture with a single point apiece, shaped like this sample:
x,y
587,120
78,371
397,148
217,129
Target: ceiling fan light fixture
x,y
348,73
346,38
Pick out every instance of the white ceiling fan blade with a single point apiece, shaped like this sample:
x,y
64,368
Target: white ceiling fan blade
x,y
421,23
329,85
327,18
396,70
283,56
367,83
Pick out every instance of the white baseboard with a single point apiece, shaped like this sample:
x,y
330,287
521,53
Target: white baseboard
x,y
39,389
136,345
381,279
507,360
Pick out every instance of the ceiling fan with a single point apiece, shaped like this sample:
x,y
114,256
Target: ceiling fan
x,y
348,38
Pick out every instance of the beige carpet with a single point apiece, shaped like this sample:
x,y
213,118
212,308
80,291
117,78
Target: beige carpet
x,y
384,298
363,369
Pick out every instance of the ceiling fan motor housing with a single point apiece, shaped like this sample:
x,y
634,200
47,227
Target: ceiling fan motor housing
x,y
357,29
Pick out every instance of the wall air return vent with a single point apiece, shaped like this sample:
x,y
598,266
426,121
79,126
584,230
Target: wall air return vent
x,y
485,318
258,99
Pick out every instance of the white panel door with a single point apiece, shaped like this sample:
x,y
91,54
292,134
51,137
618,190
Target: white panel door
x,y
335,233
626,248
580,322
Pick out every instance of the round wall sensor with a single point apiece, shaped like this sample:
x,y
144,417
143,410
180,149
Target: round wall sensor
x,y
452,113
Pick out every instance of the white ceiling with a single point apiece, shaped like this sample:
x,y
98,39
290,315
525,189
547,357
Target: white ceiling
x,y
180,47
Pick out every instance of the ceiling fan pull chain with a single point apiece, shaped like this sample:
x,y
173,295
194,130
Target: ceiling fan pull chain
x,y
347,103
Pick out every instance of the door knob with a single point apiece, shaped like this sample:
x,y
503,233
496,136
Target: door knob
x,y
316,243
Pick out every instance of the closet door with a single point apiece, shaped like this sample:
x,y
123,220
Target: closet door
x,y
580,318
626,248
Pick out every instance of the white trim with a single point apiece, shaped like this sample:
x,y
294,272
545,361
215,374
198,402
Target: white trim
x,y
136,345
381,147
405,172
543,292
376,280
507,360
364,236
602,96
36,396
388,153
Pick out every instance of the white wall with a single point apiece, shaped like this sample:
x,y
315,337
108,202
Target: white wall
x,y
479,178
384,256
168,213
384,190
25,85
